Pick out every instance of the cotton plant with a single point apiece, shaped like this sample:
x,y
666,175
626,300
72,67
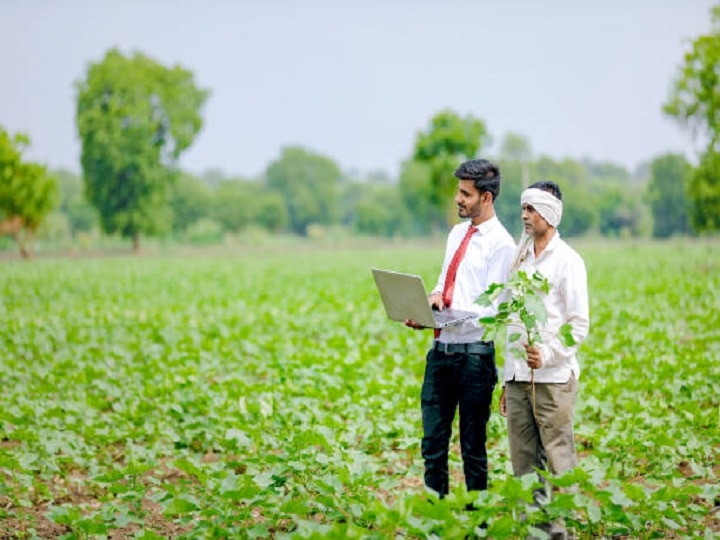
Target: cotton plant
x,y
521,305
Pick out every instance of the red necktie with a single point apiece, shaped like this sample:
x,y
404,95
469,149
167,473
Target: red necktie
x,y
449,287
454,263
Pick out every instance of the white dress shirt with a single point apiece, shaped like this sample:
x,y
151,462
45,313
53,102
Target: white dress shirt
x,y
567,302
487,260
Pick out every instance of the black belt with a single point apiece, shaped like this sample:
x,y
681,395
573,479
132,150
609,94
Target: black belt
x,y
476,347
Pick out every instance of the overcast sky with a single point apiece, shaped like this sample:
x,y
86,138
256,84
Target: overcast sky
x,y
356,80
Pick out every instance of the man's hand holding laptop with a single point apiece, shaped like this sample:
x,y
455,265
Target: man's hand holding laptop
x,y
436,302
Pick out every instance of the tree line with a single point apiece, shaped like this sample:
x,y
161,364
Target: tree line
x,y
135,118
302,191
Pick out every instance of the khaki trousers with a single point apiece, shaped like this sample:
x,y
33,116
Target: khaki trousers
x,y
544,440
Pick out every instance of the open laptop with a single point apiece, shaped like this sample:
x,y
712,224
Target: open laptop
x,y
404,297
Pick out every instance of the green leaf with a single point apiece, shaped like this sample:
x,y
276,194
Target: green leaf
x,y
529,320
264,480
258,531
239,437
565,335
538,533
534,304
148,535
181,504
594,512
503,527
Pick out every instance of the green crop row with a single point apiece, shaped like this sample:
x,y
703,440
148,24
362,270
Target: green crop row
x,y
267,396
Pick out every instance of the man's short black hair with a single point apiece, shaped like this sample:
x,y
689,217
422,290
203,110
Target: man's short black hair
x,y
550,187
484,174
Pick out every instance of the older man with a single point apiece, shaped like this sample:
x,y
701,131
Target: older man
x,y
540,430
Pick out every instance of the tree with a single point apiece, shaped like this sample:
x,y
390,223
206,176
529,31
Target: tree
x,y
695,103
515,162
704,194
416,191
27,192
308,184
516,148
579,211
81,216
270,211
667,195
564,173
379,211
620,209
189,199
605,170
449,140
135,118
371,204
507,206
232,204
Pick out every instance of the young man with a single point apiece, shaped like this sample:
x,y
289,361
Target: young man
x,y
460,368
541,432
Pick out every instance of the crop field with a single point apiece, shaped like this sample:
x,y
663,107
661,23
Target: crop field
x,y
266,395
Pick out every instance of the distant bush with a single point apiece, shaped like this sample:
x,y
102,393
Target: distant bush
x,y
205,231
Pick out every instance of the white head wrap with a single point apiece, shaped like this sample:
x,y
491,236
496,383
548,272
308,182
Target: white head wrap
x,y
550,209
545,203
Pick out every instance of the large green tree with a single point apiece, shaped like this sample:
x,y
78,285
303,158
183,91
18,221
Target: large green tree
x,y
667,195
27,192
448,140
308,184
695,102
135,117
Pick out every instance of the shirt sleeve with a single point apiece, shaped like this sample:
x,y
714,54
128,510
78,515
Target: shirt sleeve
x,y
574,292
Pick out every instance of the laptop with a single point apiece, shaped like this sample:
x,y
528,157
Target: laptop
x,y
404,297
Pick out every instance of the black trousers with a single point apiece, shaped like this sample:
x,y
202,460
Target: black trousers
x,y
457,380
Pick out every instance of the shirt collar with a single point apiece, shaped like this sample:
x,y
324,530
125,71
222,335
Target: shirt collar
x,y
554,241
486,226
552,245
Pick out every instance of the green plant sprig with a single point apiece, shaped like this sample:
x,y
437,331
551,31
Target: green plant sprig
x,y
523,302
